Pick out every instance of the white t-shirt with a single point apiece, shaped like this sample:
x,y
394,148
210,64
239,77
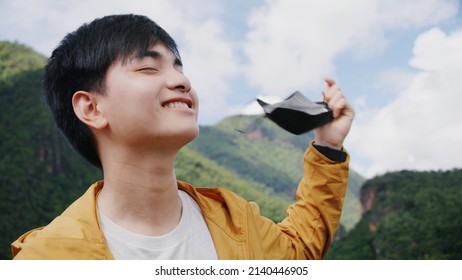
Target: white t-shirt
x,y
189,240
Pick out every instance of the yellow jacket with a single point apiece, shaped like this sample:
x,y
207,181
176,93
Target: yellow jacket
x,y
236,226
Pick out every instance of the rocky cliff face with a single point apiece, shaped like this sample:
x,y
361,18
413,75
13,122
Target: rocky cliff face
x,y
367,198
407,215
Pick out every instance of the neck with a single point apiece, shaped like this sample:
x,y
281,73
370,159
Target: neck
x,y
140,192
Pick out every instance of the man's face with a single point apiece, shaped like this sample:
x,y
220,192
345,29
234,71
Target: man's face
x,y
149,101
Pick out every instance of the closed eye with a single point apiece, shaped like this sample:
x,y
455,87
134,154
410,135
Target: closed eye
x,y
147,70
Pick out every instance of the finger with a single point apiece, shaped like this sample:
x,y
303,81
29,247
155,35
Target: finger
x,y
332,91
334,97
335,102
341,108
329,81
337,107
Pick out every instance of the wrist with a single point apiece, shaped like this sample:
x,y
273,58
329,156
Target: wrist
x,y
328,145
333,154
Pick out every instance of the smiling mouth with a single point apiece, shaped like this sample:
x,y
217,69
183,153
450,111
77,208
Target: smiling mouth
x,y
172,104
176,105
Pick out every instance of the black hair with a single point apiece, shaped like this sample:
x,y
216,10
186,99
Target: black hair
x,y
81,61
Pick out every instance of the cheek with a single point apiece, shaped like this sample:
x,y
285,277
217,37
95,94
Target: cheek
x,y
195,99
135,99
126,113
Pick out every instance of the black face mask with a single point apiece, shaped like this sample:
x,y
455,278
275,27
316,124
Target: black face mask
x,y
297,114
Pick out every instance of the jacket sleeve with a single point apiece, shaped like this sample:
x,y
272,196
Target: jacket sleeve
x,y
311,222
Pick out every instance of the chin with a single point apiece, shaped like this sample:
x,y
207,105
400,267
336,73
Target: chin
x,y
186,135
193,134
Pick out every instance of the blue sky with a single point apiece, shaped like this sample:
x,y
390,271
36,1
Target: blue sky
x,y
398,62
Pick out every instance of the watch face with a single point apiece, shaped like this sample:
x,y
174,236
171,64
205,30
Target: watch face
x,y
297,114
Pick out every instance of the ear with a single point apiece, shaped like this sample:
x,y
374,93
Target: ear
x,y
86,108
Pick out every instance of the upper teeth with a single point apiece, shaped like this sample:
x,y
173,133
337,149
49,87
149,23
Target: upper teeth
x,y
176,105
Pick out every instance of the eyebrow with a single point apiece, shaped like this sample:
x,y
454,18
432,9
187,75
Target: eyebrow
x,y
158,56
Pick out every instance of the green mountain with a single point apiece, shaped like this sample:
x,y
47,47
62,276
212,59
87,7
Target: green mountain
x,y
16,58
41,174
201,171
407,215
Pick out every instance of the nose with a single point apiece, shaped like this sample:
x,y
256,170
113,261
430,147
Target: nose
x,y
178,81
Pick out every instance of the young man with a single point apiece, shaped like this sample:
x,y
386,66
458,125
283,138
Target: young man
x,y
117,91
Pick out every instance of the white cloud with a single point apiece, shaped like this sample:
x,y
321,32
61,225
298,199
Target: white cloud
x,y
421,129
293,44
411,13
254,108
210,63
209,58
41,24
393,80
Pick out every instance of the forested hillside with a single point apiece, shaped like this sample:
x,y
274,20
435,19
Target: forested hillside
x,y
407,215
41,175
269,156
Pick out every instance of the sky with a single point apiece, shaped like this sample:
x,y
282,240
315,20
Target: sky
x,y
398,62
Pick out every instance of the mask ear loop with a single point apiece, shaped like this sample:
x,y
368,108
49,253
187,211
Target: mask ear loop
x,y
258,119
323,102
244,129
